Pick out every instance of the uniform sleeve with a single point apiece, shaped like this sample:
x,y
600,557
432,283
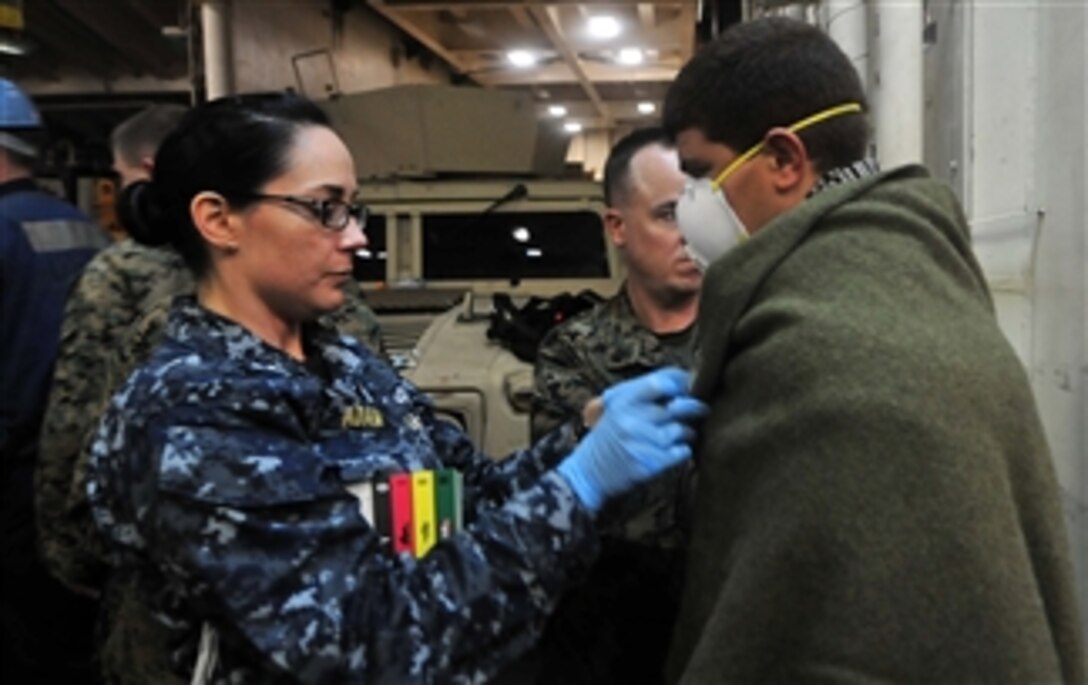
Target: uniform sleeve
x,y
561,384
78,397
229,511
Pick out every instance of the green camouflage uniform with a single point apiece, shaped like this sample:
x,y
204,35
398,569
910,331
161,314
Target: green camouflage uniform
x,y
615,627
114,318
117,287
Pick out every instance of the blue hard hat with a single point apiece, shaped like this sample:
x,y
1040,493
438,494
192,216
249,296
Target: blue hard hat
x,y
16,109
17,114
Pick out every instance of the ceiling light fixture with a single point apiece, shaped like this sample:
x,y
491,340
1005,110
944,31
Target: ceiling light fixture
x,y
646,108
13,46
557,111
603,27
572,127
521,58
630,56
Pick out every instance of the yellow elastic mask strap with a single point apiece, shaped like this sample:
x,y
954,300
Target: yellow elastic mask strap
x,y
829,113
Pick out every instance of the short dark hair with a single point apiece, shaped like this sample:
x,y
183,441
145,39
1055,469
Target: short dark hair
x,y
617,170
141,134
766,73
232,146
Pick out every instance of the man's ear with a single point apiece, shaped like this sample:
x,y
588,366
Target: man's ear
x,y
147,164
614,226
213,219
790,165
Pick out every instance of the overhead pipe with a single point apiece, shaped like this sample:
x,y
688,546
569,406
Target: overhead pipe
x,y
218,65
845,21
897,88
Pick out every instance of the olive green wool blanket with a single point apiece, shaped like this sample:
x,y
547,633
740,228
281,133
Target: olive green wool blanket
x,y
876,500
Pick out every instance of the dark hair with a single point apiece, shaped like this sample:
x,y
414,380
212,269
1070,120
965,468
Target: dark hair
x,y
766,73
617,170
232,146
141,134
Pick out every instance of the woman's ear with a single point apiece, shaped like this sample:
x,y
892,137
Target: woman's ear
x,y
791,168
212,217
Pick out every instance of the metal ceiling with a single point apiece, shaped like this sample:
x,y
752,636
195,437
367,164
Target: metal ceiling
x,y
572,66
103,41
108,39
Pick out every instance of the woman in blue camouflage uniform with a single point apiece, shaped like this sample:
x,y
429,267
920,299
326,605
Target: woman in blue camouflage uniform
x,y
220,473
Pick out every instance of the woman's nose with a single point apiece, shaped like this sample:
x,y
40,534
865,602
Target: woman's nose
x,y
353,237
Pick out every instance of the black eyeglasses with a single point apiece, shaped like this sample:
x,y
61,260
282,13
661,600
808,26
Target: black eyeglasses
x,y
333,214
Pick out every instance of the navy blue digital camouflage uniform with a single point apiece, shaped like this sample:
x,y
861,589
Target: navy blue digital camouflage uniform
x,y
219,473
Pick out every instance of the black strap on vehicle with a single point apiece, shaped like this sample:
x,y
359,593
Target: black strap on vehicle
x,y
520,329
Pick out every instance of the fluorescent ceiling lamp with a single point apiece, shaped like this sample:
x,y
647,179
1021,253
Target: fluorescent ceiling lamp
x,y
535,252
521,234
630,56
603,27
646,108
521,58
572,127
557,110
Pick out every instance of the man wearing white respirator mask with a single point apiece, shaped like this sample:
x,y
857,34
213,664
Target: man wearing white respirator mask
x,y
876,499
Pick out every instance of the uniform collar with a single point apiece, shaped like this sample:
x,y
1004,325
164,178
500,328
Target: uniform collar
x,y
642,346
19,185
210,333
862,168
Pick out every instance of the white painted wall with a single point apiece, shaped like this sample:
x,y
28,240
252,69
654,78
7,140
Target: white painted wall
x,y
1006,111
1059,298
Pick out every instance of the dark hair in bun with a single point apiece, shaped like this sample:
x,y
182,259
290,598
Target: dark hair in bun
x,y
232,146
136,214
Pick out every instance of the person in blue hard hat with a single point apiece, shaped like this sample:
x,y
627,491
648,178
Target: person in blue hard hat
x,y
44,245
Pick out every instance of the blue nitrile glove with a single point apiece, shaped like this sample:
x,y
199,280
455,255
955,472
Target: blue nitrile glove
x,y
642,433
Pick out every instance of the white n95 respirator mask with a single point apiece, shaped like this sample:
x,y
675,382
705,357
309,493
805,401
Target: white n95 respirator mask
x,y
706,219
708,223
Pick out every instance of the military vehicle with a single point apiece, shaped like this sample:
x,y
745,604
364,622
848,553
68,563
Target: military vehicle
x,y
467,200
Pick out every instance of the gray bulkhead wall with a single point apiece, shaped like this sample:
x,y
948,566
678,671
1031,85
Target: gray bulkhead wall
x,y
1005,124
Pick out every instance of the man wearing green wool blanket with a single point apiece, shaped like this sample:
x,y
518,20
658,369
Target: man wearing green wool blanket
x,y
876,500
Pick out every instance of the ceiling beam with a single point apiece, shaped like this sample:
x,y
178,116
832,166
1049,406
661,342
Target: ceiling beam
x,y
549,24
646,14
392,12
487,71
521,16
